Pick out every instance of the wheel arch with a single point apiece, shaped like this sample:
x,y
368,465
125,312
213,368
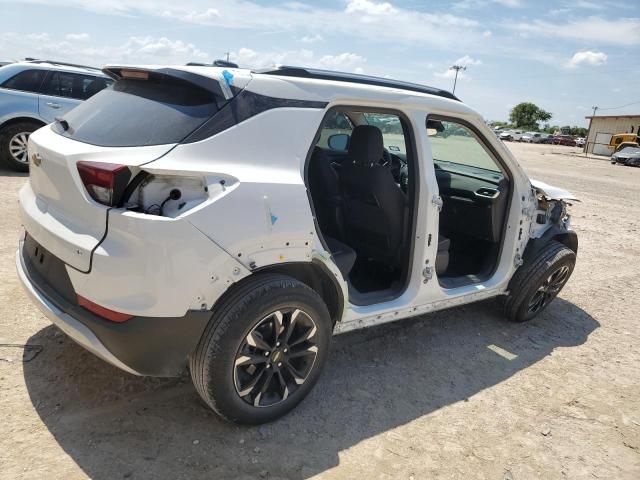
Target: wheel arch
x,y
21,119
568,238
313,274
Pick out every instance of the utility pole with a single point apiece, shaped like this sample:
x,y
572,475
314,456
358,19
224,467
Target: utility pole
x,y
586,143
457,68
227,54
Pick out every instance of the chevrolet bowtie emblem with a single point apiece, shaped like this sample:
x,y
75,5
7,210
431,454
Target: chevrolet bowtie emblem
x,y
36,159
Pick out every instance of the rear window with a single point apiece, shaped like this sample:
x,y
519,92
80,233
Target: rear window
x,y
140,112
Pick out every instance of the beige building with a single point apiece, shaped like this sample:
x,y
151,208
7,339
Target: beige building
x,y
601,127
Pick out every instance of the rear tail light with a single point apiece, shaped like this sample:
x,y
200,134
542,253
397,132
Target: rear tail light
x,y
105,182
102,311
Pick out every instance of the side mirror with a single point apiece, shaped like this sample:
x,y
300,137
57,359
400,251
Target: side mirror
x,y
339,141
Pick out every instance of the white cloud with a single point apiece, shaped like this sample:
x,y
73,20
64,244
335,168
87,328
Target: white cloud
x,y
311,38
466,61
369,7
372,20
452,74
77,37
509,3
487,34
343,61
142,50
587,58
623,31
469,4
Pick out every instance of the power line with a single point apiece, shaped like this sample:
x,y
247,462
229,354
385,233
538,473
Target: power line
x,y
616,108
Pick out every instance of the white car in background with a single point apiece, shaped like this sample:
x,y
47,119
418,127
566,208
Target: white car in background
x,y
233,220
534,137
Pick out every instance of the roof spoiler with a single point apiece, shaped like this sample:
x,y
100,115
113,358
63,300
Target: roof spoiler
x,y
222,84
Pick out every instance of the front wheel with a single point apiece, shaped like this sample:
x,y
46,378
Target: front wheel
x,y
538,281
263,350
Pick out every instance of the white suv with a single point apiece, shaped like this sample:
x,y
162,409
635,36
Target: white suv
x,y
232,220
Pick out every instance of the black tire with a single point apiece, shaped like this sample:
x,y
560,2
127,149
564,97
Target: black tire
x,y
249,307
534,286
6,135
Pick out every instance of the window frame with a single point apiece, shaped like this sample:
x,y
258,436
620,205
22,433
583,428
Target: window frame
x,y
38,91
491,150
49,77
413,191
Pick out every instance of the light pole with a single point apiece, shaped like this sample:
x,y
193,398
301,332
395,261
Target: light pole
x,y
457,68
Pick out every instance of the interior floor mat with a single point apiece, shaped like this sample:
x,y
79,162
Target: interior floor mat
x,y
370,276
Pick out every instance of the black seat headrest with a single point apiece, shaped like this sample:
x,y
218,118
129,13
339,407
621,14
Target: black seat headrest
x,y
366,146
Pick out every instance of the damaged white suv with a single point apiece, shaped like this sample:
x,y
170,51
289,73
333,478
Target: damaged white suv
x,y
231,221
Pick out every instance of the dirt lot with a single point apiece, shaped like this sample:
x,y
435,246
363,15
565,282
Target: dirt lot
x,y
425,398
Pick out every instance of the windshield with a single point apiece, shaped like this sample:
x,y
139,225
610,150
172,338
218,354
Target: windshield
x,y
630,150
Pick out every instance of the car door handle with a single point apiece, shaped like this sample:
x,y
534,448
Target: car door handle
x,y
53,105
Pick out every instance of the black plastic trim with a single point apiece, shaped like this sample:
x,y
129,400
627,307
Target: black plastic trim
x,y
317,74
245,105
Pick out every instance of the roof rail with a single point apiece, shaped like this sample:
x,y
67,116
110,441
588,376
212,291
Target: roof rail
x,y
53,62
301,72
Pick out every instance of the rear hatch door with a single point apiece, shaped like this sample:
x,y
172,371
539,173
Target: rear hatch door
x,y
144,115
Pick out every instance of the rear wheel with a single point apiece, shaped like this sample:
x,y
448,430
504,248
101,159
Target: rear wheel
x,y
13,145
263,350
538,282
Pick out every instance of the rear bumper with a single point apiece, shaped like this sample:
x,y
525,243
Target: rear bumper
x,y
141,346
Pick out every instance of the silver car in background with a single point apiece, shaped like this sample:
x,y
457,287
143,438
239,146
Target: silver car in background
x,y
32,94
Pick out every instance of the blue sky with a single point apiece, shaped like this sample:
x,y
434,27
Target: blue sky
x,y
565,56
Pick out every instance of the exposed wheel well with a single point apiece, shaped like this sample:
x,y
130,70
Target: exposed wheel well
x,y
568,238
315,276
16,120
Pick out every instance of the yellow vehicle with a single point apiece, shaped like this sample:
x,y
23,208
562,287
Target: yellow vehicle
x,y
621,140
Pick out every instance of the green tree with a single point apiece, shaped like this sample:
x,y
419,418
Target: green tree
x,y
526,116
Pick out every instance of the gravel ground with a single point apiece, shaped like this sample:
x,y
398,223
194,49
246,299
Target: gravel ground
x,y
456,394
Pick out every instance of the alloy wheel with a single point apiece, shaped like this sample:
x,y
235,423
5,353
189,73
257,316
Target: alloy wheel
x,y
276,357
549,289
18,147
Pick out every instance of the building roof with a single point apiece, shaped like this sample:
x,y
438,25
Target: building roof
x,y
614,116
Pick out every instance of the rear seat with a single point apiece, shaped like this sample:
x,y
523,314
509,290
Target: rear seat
x,y
343,255
442,257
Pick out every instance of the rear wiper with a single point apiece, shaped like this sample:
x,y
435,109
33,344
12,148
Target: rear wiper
x,y
63,123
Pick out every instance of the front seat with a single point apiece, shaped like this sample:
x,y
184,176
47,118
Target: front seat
x,y
325,193
374,207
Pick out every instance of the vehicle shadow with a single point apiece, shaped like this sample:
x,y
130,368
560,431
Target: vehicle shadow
x,y
6,172
115,425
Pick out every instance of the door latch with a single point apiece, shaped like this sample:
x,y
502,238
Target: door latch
x,y
437,201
